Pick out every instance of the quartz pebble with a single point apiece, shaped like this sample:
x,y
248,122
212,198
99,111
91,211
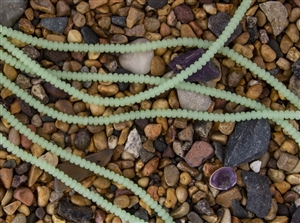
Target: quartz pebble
x,y
139,62
134,143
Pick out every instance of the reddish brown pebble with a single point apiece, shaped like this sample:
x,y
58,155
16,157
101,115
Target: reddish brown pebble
x,y
150,167
25,142
24,195
184,13
199,153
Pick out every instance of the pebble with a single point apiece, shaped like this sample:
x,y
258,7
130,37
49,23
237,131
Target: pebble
x,y
187,31
218,22
14,137
134,143
6,176
181,194
258,193
202,207
82,139
56,25
152,131
199,153
181,211
210,71
294,85
238,210
22,81
89,35
171,174
171,198
74,213
226,198
25,142
287,162
11,11
150,167
276,175
122,201
296,216
53,91
277,15
158,66
193,101
19,180
194,218
248,142
296,68
139,62
267,53
20,218
11,208
74,36
157,4
39,93
43,5
24,195
43,194
255,166
184,13
134,16
142,214
119,20
62,8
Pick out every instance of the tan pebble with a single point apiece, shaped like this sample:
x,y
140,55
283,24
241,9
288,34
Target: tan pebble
x,y
74,36
58,219
43,195
283,64
276,175
100,140
6,198
34,174
97,110
285,44
290,146
79,19
26,26
56,38
164,123
152,131
225,198
96,3
280,219
158,66
12,207
293,54
273,211
143,182
261,18
243,38
293,32
267,53
243,50
134,15
164,10
108,90
10,72
282,187
81,201
226,127
181,211
210,8
6,176
171,198
259,61
187,31
50,158
150,167
221,7
173,100
14,137
181,194
254,91
122,201
24,210
293,179
183,166
160,104
52,208
136,88
185,178
295,14
210,218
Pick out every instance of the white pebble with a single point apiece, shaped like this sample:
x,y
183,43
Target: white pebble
x,y
255,166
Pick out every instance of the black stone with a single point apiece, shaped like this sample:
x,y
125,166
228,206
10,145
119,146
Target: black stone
x,y
119,20
208,72
296,68
89,36
296,216
32,218
160,145
142,214
219,150
74,213
238,210
218,22
253,34
275,46
122,85
283,210
248,142
82,139
157,4
258,193
55,56
202,207
145,155
56,25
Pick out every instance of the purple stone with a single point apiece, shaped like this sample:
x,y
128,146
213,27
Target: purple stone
x,y
223,178
209,72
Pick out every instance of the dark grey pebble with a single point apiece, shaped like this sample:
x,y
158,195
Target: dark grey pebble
x,y
296,68
208,72
219,150
258,193
160,145
11,11
82,139
119,20
253,34
89,36
56,25
283,210
294,85
31,51
218,22
202,207
10,164
275,46
296,216
249,141
22,168
145,155
40,212
238,210
55,56
54,91
157,4
194,217
142,214
74,213
18,180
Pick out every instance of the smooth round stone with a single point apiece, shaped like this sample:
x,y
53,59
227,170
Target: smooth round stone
x,y
11,11
223,178
139,62
122,201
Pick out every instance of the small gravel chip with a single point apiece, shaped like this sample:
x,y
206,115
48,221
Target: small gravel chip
x,y
89,36
56,25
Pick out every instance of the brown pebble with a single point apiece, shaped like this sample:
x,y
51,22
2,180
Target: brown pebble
x,y
150,167
62,8
199,153
225,198
6,176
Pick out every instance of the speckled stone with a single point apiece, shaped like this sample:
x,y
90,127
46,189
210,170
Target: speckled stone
x,y
134,143
184,13
199,153
56,25
193,101
11,11
258,193
294,85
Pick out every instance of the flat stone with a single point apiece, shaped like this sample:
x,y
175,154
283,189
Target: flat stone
x,y
11,11
56,25
157,4
138,63
74,213
248,142
277,15
258,193
184,13
193,101
89,35
209,71
134,143
218,22
171,174
199,153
